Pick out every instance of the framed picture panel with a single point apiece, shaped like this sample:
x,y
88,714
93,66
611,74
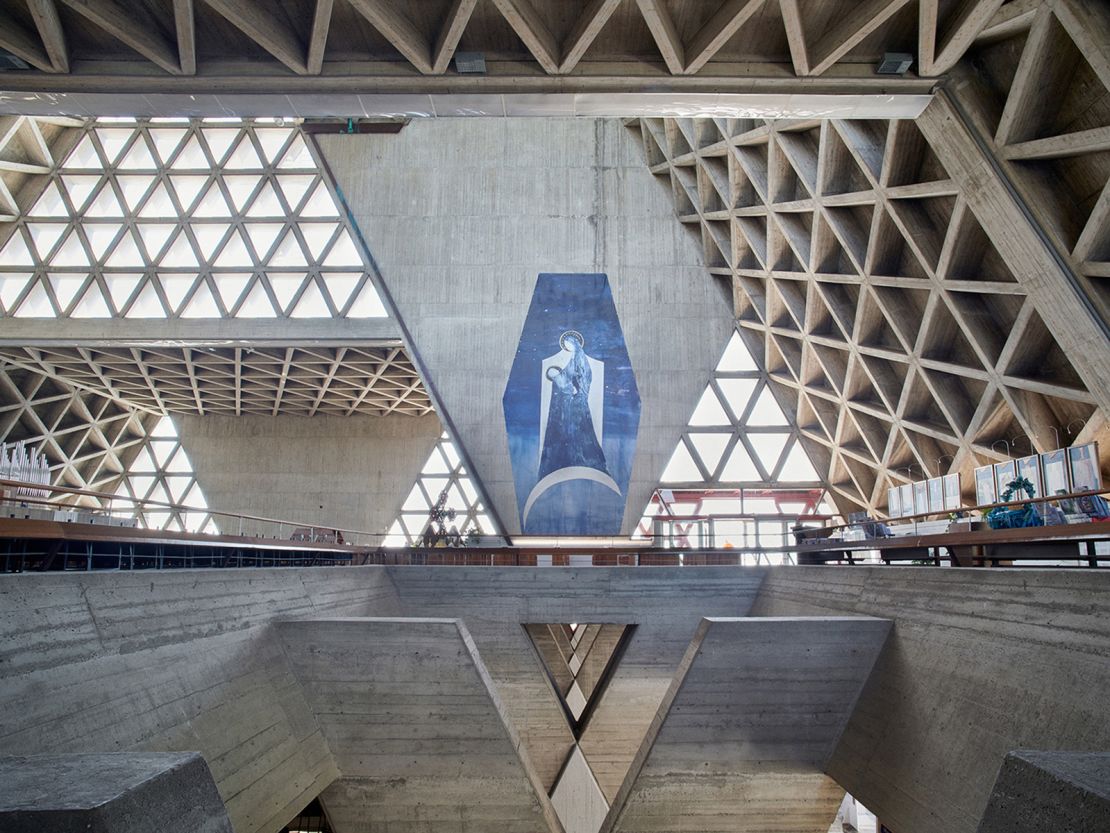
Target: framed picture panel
x,y
905,492
893,503
1003,474
920,497
1083,467
936,494
952,492
1054,467
1030,468
984,486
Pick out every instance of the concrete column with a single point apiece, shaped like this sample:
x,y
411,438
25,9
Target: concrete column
x,y
463,214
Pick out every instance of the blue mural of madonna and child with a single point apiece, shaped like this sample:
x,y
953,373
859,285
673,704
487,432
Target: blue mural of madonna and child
x,y
572,410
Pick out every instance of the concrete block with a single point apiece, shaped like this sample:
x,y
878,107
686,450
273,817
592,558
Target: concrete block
x,y
1068,792
417,728
981,662
133,792
741,740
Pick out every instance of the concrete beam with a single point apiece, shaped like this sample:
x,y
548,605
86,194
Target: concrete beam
x,y
137,792
331,471
30,332
741,739
737,90
420,735
176,659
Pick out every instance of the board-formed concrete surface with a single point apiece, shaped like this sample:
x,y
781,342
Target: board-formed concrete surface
x,y
417,729
980,662
1058,791
462,215
742,737
665,603
135,792
347,472
176,660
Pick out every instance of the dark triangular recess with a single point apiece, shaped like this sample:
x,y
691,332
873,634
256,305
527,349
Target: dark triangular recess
x,y
1037,356
945,340
866,140
842,173
925,220
579,659
912,160
973,256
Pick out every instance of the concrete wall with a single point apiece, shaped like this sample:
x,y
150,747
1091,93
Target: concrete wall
x,y
421,741
665,603
980,662
349,472
169,661
462,215
741,738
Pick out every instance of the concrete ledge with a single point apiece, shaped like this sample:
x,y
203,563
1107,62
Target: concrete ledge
x,y
146,792
1039,791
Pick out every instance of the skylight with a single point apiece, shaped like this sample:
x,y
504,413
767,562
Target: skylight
x,y
148,219
162,471
443,471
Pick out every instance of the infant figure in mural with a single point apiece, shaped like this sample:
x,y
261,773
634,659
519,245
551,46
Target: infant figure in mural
x,y
571,437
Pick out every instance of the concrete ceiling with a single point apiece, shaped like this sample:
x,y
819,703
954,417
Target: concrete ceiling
x,y
927,296
344,48
270,381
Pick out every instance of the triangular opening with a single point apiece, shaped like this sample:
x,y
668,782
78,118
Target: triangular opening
x,y
426,517
579,659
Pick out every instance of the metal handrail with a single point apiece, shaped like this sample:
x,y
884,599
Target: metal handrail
x,y
982,509
376,537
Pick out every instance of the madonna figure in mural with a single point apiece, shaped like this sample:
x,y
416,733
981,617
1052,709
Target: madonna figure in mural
x,y
571,410
571,436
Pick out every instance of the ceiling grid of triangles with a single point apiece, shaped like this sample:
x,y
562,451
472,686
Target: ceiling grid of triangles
x,y
887,323
172,218
267,381
1040,96
97,443
556,39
